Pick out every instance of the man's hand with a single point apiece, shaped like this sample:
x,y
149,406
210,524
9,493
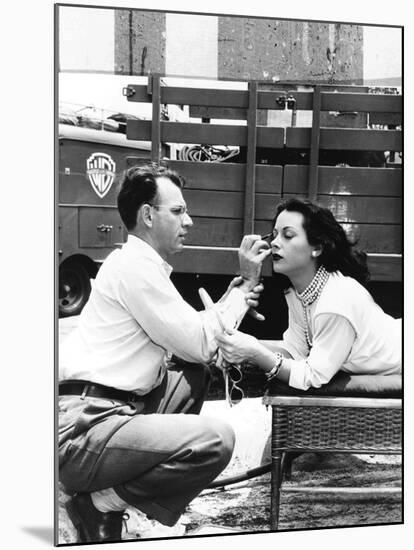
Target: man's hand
x,y
253,250
237,346
251,297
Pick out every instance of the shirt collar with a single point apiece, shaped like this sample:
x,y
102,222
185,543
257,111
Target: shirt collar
x,y
141,246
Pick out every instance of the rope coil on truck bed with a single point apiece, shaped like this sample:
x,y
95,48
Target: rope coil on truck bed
x,y
207,153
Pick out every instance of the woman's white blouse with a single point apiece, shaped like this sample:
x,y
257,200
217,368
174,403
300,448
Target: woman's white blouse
x,y
349,332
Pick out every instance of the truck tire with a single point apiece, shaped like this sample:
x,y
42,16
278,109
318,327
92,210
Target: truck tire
x,y
74,288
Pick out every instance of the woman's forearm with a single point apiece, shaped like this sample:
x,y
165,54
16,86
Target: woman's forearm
x,y
265,358
276,346
237,347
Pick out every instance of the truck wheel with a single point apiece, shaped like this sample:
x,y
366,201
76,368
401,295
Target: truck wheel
x,y
74,288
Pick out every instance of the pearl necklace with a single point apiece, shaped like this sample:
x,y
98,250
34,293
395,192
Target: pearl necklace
x,y
310,295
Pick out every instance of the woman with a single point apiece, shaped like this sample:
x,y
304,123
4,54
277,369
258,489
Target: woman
x,y
334,323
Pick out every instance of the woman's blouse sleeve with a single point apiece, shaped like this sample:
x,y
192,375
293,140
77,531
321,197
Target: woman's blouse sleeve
x,y
332,343
294,340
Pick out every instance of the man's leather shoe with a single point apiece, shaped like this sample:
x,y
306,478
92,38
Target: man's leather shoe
x,y
92,525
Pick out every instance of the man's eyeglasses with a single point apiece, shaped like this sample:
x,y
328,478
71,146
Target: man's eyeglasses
x,y
178,210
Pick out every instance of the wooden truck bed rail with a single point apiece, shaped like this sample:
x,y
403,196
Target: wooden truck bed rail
x,y
229,199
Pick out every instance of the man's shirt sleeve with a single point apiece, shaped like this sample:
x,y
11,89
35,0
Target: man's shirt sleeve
x,y
168,319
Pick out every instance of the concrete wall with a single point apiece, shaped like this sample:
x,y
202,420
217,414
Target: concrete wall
x,y
140,42
267,49
237,48
98,40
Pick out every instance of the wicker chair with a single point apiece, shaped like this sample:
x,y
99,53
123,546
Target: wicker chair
x,y
352,414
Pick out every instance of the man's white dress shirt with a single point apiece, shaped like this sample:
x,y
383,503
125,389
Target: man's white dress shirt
x,y
135,319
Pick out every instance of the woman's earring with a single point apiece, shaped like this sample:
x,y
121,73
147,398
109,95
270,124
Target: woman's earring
x,y
314,253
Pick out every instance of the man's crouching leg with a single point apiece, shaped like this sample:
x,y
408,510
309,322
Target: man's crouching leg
x,y
167,460
203,448
157,460
191,452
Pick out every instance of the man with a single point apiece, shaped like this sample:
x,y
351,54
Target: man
x,y
121,441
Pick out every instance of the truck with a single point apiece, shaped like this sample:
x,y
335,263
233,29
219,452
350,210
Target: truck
x,y
346,154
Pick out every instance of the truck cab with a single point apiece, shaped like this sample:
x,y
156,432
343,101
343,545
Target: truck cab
x,y
90,163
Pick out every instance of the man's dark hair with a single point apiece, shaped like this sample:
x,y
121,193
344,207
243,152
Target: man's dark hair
x,y
138,186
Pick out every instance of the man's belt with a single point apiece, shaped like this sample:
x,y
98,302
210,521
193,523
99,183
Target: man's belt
x,y
91,389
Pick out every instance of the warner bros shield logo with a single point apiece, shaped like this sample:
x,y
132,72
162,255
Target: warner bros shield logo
x,y
101,171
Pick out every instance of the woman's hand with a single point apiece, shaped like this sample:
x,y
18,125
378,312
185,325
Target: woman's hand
x,y
252,297
237,346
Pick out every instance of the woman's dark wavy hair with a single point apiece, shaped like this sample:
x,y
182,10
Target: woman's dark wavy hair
x,y
322,229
